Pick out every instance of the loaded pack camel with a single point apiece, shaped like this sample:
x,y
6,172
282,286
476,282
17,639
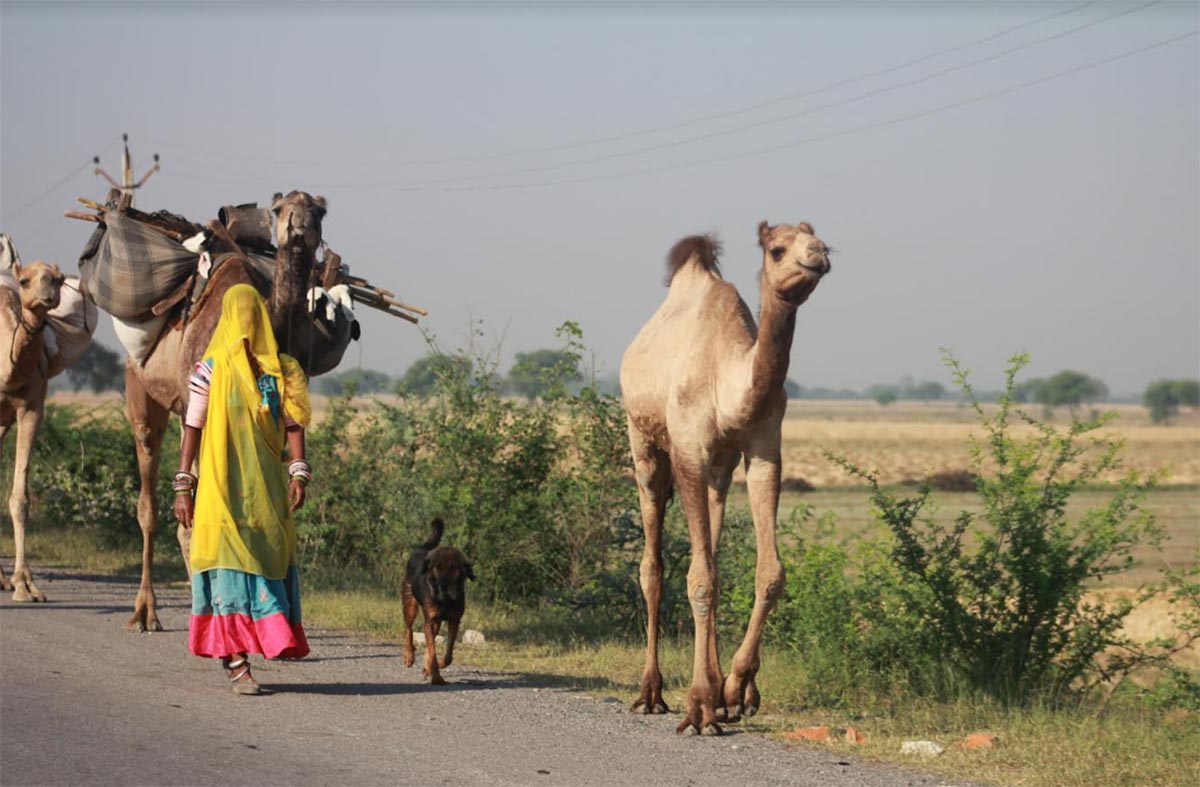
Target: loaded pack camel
x,y
158,387
23,382
703,390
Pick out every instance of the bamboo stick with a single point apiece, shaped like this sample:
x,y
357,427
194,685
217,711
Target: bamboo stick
x,y
74,214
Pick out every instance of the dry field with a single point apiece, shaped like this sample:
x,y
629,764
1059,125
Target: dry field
x,y
908,441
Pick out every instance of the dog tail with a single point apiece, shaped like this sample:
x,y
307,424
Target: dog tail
x,y
437,527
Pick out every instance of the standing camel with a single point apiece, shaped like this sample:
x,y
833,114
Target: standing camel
x,y
158,387
24,375
703,388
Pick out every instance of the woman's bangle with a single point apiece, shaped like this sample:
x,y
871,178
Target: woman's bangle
x,y
184,480
182,492
300,469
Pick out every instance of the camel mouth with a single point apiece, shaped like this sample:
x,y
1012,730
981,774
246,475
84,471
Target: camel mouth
x,y
817,270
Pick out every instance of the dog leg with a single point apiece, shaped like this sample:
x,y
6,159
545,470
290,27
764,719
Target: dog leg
x,y
410,617
451,638
432,624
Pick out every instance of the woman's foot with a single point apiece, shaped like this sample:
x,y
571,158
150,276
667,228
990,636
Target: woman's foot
x,y
238,670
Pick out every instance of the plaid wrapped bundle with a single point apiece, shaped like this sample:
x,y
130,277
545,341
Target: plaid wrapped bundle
x,y
128,267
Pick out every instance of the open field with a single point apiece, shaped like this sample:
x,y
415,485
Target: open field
x,y
906,440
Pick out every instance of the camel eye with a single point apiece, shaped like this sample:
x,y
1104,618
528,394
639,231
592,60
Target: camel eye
x,y
24,281
777,253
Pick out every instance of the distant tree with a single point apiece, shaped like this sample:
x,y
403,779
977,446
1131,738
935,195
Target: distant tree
x,y
422,376
531,371
1165,397
1070,388
792,389
99,369
883,394
928,391
1027,391
360,381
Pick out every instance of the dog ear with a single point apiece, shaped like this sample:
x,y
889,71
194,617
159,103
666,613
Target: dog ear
x,y
469,570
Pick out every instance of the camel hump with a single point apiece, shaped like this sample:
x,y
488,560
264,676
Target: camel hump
x,y
436,528
704,249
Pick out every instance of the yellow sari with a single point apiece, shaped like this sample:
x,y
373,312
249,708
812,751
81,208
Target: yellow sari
x,y
241,517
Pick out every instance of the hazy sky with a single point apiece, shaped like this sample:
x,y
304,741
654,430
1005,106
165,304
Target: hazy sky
x,y
994,176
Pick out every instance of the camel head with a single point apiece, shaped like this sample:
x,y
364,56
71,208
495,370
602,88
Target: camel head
x,y
41,285
298,220
794,260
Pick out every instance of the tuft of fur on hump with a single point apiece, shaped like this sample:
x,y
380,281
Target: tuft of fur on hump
x,y
704,249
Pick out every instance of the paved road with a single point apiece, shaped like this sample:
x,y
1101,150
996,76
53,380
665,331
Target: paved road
x,y
82,702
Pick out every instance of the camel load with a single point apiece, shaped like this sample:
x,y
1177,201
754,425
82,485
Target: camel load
x,y
152,270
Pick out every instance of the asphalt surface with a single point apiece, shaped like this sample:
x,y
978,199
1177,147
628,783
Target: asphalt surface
x,y
83,702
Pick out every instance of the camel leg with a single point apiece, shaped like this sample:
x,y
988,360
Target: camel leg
x,y
28,420
653,473
718,491
691,482
762,481
148,420
5,585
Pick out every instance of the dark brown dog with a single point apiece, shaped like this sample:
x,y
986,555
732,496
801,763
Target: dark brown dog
x,y
435,582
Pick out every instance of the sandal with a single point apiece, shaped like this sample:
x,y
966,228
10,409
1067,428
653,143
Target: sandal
x,y
239,675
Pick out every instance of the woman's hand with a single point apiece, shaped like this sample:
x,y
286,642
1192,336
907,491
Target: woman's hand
x,y
295,494
185,507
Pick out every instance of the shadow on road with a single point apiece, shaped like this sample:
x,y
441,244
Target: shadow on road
x,y
383,689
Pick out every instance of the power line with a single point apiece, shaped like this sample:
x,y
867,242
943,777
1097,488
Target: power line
x,y
671,144
57,185
787,145
676,125
794,115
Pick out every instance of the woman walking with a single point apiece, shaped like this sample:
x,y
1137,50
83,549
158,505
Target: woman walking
x,y
247,409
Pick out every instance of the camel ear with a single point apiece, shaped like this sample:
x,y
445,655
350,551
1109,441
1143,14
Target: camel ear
x,y
277,203
16,268
425,565
320,203
764,233
806,228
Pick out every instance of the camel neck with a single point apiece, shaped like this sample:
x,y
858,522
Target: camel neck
x,y
292,266
22,356
773,346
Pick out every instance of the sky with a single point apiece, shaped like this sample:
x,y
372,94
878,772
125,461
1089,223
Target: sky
x,y
995,177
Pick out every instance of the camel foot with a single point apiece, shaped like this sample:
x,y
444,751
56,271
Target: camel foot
x,y
5,585
24,590
699,718
689,727
650,700
443,663
741,697
142,622
437,680
409,657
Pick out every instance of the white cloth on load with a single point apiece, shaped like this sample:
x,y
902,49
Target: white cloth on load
x,y
138,337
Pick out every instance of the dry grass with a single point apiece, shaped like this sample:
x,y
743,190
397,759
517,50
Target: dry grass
x,y
911,441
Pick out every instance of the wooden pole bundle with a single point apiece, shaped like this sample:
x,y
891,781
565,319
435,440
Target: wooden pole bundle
x,y
179,229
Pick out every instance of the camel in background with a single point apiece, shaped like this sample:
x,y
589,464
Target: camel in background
x,y
703,388
158,387
24,375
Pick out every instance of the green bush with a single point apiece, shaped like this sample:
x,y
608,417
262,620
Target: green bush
x,y
533,491
1001,598
84,473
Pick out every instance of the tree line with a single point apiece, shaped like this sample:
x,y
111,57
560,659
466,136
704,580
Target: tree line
x,y
101,369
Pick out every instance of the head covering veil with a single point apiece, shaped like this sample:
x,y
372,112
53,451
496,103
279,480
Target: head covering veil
x,y
242,519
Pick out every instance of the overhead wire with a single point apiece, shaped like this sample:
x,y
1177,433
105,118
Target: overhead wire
x,y
676,125
12,214
945,107
668,145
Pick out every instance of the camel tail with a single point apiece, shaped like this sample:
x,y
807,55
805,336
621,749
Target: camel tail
x,y
436,528
704,249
